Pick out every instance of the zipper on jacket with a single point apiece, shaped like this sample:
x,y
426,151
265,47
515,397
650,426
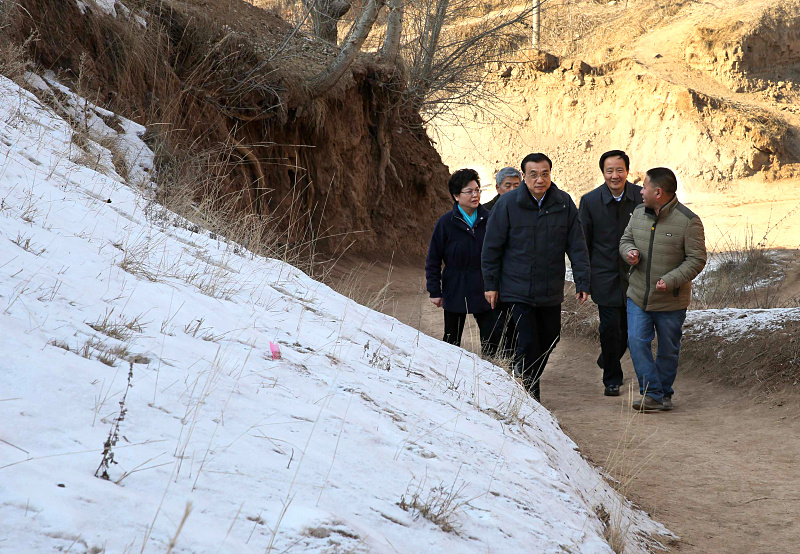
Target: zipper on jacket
x,y
649,262
471,229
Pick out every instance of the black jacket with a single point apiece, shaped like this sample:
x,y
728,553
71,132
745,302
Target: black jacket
x,y
523,254
604,220
454,243
490,204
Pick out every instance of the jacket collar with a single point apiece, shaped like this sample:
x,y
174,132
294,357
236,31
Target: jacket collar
x,y
483,213
606,196
668,207
665,210
526,200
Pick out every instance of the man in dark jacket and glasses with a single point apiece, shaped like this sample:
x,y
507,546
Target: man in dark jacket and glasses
x,y
605,213
530,231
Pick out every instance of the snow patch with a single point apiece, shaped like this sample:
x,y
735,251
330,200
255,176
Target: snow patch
x,y
337,446
738,323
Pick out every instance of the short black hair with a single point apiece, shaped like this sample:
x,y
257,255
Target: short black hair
x,y
663,178
461,179
536,158
615,154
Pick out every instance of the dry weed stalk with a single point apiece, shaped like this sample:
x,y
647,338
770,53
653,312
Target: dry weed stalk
x,y
113,434
623,465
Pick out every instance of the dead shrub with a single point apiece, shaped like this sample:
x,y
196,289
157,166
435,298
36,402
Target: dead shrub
x,y
739,276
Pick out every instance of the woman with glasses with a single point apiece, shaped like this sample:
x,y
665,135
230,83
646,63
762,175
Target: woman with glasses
x,y
456,244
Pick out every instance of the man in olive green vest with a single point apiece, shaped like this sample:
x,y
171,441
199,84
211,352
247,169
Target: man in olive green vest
x,y
664,243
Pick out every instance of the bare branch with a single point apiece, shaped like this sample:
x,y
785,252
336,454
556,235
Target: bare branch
x,y
394,32
352,45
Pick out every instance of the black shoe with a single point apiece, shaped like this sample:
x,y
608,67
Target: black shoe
x,y
667,401
611,390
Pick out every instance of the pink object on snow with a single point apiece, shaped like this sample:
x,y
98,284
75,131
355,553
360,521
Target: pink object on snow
x,y
276,351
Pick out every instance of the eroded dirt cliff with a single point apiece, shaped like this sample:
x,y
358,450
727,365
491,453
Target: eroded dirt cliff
x,y
223,88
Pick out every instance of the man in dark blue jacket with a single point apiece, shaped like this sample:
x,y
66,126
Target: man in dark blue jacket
x,y
605,213
530,231
456,242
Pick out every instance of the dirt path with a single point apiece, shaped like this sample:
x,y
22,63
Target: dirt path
x,y
722,470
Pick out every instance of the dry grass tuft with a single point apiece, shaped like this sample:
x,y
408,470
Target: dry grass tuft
x,y
121,329
741,276
354,284
25,243
615,536
109,354
440,506
579,322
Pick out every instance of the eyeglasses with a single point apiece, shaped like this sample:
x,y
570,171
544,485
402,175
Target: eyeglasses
x,y
535,176
472,192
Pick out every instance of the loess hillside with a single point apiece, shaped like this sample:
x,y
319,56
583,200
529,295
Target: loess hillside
x,y
710,90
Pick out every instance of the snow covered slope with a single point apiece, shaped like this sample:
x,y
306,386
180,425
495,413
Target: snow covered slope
x,y
152,337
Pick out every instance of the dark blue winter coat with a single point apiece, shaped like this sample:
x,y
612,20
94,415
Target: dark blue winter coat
x,y
604,221
458,247
523,256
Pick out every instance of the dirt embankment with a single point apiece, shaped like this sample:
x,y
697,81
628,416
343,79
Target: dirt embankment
x,y
672,97
223,88
575,112
750,55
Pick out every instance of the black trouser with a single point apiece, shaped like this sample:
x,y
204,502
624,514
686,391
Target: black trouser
x,y
538,330
613,342
488,326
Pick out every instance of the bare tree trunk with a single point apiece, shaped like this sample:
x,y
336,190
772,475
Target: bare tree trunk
x,y
429,42
352,45
537,24
325,15
432,42
394,31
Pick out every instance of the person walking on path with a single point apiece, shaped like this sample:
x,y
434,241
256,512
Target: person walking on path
x,y
456,243
604,213
529,232
664,243
507,179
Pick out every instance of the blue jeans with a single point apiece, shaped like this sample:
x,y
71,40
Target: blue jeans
x,y
655,376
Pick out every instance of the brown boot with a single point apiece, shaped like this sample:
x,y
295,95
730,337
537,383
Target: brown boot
x,y
647,404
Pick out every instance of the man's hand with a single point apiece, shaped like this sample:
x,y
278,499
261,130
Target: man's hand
x,y
661,286
582,297
436,302
491,297
632,257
